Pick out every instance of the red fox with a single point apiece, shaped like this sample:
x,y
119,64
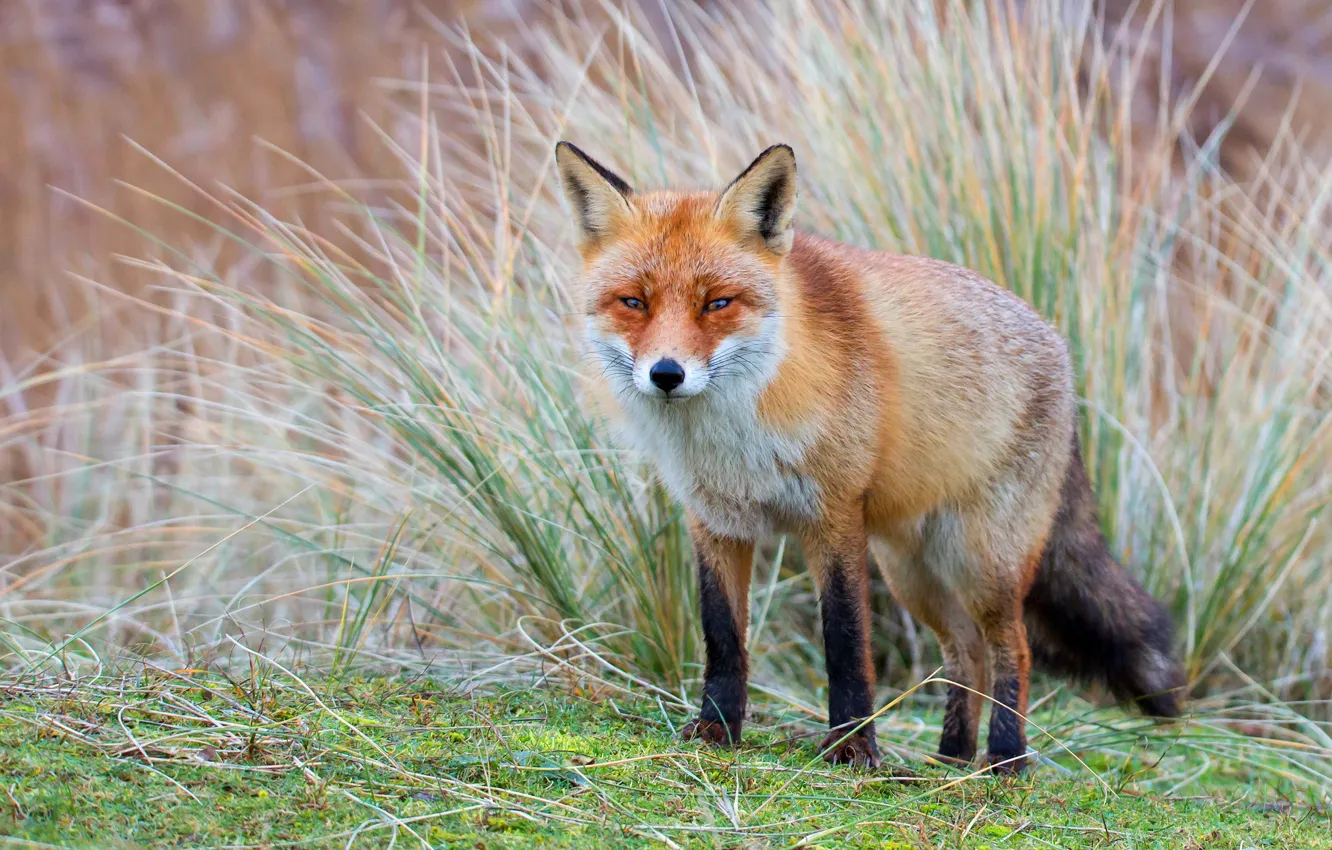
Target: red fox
x,y
785,383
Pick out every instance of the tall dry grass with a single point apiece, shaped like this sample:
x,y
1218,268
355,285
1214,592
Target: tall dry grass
x,y
198,82
364,437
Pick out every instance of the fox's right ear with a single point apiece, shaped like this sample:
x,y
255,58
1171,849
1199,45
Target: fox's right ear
x,y
600,199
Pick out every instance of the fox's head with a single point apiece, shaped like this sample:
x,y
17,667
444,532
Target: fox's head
x,y
681,288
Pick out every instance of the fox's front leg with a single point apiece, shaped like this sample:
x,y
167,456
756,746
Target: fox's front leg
x,y
723,587
838,555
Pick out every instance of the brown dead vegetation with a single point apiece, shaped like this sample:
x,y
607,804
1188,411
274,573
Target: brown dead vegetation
x,y
197,84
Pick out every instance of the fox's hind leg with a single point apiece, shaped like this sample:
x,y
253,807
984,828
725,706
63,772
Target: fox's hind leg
x,y
1010,662
931,602
1002,543
723,586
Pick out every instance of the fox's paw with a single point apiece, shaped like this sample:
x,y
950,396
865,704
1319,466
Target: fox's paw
x,y
1001,764
712,732
858,749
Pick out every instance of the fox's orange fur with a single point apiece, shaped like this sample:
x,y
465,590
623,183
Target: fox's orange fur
x,y
782,382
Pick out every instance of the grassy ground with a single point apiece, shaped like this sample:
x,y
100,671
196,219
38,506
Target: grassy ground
x,y
195,759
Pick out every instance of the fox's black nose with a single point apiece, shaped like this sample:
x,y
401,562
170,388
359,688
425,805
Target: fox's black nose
x,y
667,375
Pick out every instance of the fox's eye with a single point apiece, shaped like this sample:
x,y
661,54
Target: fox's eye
x,y
714,306
633,304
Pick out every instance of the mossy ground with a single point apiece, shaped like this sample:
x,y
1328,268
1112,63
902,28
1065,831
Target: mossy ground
x,y
199,760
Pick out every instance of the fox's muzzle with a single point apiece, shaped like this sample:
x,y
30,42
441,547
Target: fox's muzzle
x,y
664,376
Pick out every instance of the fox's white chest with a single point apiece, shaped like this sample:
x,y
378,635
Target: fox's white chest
x,y
739,477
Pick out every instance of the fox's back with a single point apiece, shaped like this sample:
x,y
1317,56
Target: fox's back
x,y
975,381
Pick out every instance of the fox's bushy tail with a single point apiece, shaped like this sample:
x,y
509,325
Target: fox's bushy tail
x,y
1088,619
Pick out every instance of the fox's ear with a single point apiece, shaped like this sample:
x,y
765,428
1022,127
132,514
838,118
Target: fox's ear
x,y
761,201
600,199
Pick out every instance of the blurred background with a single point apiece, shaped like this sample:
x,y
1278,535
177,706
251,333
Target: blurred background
x,y
197,83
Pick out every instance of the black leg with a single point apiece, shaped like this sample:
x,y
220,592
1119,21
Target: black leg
x,y
845,608
726,672
958,741
1011,662
723,588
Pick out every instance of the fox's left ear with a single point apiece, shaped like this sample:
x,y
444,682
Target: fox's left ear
x,y
761,201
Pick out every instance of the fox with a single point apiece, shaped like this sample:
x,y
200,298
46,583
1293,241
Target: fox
x,y
859,401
